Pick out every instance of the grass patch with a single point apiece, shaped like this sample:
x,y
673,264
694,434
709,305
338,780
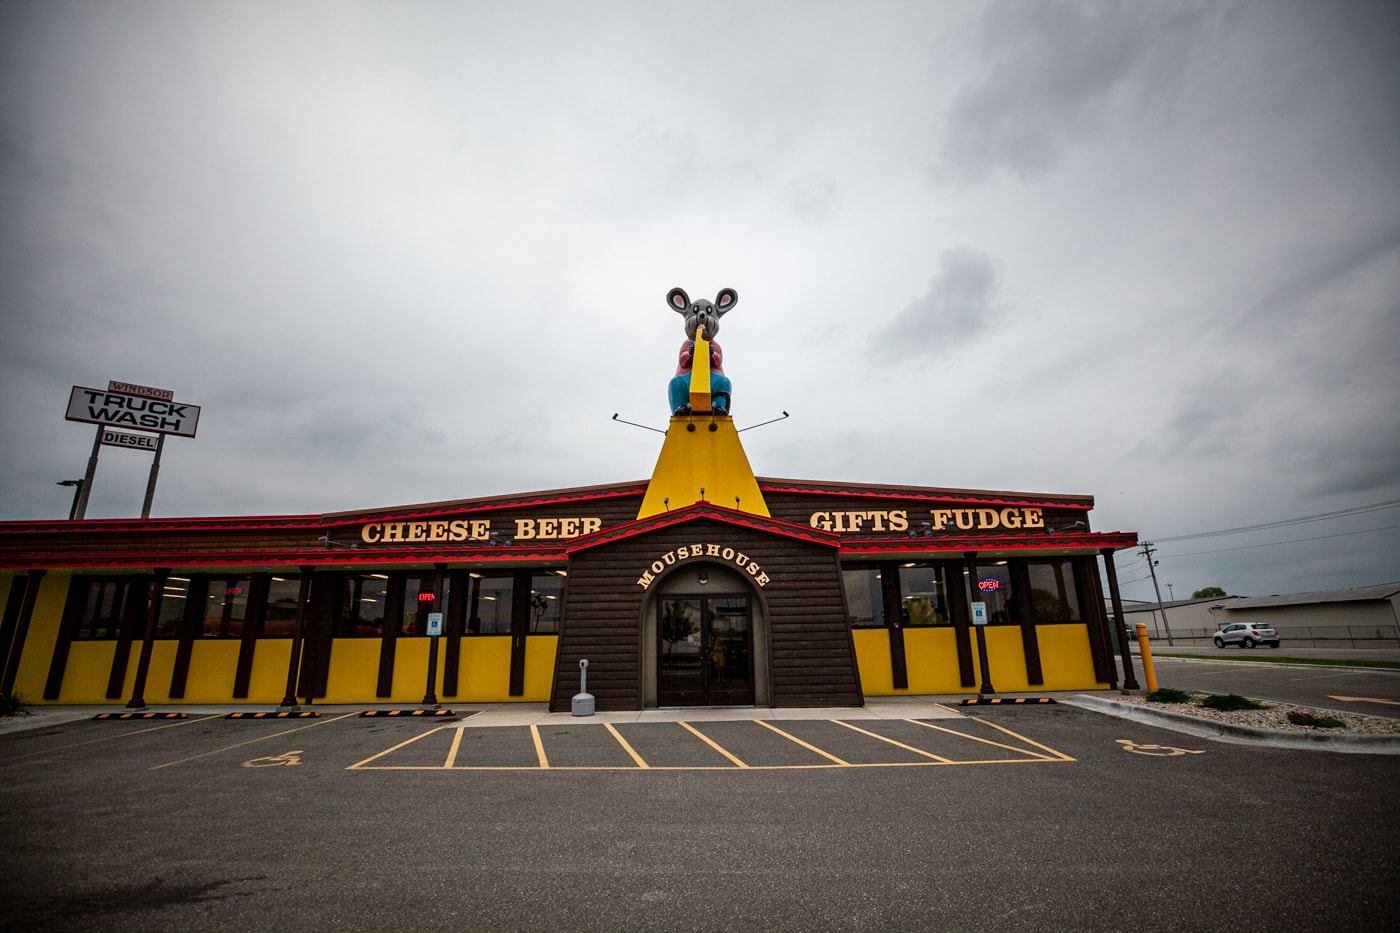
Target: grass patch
x,y
12,704
1299,718
1226,655
1229,702
1169,695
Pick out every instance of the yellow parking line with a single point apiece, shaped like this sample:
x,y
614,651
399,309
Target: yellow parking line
x,y
250,742
710,742
1061,756
360,764
844,764
539,747
907,748
452,752
623,742
457,741
964,735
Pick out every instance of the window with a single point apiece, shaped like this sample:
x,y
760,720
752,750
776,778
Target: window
x,y
281,618
226,607
1053,594
361,606
105,601
864,599
173,602
546,595
418,601
489,605
923,592
993,587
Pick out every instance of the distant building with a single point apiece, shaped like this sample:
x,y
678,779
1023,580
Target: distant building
x,y
1325,618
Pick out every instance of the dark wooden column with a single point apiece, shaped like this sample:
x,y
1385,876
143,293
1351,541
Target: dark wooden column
x,y
986,689
430,692
191,628
519,631
67,631
156,593
21,629
960,614
1086,584
289,699
1129,680
389,637
254,615
893,597
132,614
454,626
1022,614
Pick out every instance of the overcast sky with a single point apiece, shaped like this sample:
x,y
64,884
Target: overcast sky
x,y
415,251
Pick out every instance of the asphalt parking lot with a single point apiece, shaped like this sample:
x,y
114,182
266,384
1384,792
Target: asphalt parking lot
x,y
1000,818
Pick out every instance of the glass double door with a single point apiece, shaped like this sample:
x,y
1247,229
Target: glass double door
x,y
706,645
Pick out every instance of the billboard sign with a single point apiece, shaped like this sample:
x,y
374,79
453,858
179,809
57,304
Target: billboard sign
x,y
130,441
164,416
127,388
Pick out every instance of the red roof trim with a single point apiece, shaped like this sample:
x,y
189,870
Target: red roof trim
x,y
924,496
339,557
703,509
1115,540
492,504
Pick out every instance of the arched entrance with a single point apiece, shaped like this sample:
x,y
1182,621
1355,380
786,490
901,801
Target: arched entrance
x,y
705,640
705,646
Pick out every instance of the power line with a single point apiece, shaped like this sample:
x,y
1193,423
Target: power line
x,y
1245,547
1356,510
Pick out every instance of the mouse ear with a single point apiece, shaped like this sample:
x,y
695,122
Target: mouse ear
x,y
726,299
678,300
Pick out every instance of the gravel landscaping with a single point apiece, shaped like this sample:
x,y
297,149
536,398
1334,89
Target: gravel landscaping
x,y
1276,716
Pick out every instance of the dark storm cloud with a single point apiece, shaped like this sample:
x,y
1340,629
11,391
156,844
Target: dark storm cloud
x,y
1053,71
961,302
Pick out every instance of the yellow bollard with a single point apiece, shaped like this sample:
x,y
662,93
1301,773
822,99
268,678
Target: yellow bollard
x,y
1149,673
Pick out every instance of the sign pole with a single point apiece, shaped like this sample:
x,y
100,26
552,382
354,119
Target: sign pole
x,y
151,483
86,490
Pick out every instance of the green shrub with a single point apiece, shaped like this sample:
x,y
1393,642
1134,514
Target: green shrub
x,y
1299,718
1170,695
1231,701
12,704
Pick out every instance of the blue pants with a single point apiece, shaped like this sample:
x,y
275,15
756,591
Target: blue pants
x,y
719,393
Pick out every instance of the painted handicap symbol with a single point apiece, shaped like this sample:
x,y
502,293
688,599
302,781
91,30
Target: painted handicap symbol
x,y
1157,751
286,758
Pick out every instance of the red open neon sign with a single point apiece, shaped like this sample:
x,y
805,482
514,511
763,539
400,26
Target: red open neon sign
x,y
988,586
426,597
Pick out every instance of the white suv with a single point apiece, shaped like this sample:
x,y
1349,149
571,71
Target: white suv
x,y
1247,634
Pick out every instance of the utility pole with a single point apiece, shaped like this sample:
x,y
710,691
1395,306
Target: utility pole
x,y
1171,593
1152,569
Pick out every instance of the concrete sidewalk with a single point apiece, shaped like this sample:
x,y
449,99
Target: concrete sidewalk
x,y
525,714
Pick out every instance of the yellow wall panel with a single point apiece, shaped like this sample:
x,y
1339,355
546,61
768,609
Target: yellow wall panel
x,y
931,660
540,654
213,665
268,680
85,677
158,674
411,671
1065,658
39,643
1006,658
354,670
873,661
484,676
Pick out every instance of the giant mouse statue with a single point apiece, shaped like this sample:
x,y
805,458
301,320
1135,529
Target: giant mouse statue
x,y
701,313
